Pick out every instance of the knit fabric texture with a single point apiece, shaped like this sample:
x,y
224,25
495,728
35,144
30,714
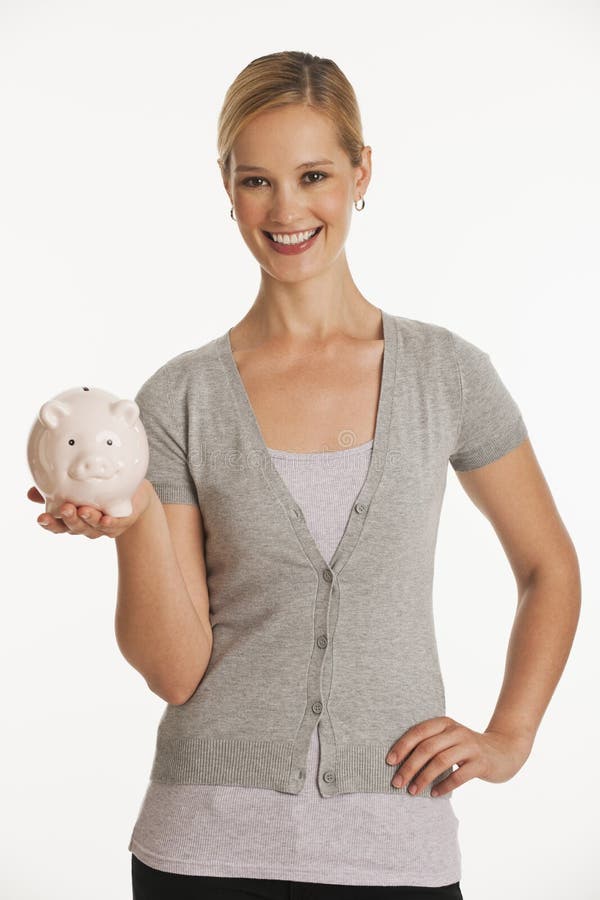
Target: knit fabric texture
x,y
346,644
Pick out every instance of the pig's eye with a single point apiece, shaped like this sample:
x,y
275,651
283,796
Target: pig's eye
x,y
71,441
109,442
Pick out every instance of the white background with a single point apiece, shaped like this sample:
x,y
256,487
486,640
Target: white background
x,y
118,252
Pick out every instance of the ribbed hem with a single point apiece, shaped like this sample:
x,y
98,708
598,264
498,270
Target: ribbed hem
x,y
269,764
207,761
491,452
168,492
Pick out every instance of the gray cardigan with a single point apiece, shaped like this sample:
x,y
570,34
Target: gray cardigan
x,y
348,647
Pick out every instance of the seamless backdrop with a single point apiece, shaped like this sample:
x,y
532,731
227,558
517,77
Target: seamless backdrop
x,y
118,252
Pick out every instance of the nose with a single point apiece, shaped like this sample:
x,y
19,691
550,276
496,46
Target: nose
x,y
91,466
287,206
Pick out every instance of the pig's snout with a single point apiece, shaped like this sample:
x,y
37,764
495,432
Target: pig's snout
x,y
92,467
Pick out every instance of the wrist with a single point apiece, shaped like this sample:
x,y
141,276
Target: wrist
x,y
145,503
519,735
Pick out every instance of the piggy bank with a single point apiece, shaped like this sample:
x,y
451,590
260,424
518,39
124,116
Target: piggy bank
x,y
88,447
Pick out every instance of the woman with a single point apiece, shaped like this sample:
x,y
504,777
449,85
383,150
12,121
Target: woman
x,y
314,667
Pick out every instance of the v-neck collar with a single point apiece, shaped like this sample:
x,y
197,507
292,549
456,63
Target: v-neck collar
x,y
376,465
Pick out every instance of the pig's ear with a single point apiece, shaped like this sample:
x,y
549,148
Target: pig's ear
x,y
127,410
52,412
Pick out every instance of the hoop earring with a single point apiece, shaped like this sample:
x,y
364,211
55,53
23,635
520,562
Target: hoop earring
x,y
232,215
358,208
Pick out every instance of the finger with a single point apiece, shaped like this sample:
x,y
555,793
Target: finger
x,y
415,735
51,523
90,515
439,764
74,523
421,757
106,522
98,522
459,776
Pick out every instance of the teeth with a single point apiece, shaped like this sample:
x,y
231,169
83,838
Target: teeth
x,y
293,238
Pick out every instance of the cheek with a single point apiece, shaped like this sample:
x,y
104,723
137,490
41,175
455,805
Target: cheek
x,y
250,209
332,206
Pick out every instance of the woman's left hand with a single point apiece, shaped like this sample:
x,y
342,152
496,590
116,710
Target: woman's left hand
x,y
438,744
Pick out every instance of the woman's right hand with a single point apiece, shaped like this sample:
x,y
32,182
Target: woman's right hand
x,y
91,521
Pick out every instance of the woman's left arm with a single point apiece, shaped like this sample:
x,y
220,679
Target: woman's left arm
x,y
514,496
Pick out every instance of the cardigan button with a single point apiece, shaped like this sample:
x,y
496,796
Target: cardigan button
x,y
327,575
360,507
297,512
328,777
322,641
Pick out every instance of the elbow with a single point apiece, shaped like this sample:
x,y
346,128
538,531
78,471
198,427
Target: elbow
x,y
173,698
559,582
165,694
181,698
178,695
561,567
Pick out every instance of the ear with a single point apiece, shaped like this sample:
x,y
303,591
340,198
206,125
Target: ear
x,y
52,412
363,172
128,410
225,179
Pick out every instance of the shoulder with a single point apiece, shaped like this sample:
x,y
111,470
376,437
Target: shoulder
x,y
430,342
186,373
191,362
436,339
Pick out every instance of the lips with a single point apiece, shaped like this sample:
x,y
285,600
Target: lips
x,y
268,234
293,249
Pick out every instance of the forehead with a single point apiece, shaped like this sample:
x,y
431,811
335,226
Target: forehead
x,y
286,136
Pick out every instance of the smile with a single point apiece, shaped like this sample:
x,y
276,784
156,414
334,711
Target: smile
x,y
297,242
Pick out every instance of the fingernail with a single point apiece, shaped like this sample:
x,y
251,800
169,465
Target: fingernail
x,y
391,759
413,789
85,515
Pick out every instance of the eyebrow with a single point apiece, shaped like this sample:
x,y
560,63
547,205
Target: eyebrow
x,y
306,165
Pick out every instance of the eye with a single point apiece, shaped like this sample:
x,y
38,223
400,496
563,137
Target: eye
x,y
247,181
71,441
322,174
108,438
322,177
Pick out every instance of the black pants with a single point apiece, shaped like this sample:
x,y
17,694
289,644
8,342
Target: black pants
x,y
153,884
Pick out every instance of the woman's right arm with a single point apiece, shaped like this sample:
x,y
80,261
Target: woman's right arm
x,y
162,624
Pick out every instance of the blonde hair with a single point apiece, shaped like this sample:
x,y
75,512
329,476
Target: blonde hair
x,y
282,79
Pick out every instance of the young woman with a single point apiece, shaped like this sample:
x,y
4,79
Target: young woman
x,y
283,610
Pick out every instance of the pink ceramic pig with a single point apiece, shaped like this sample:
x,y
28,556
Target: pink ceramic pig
x,y
88,447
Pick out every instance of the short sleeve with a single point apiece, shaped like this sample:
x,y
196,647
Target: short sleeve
x,y
168,469
491,422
